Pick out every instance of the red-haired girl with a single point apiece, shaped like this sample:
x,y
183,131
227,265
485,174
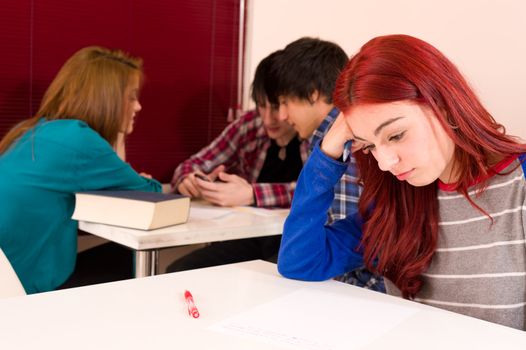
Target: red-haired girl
x,y
442,214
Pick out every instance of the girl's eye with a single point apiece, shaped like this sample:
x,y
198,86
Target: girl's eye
x,y
397,137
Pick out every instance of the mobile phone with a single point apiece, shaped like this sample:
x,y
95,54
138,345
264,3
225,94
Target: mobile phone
x,y
202,177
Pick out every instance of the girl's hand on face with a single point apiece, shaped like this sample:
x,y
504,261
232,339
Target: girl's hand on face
x,y
334,142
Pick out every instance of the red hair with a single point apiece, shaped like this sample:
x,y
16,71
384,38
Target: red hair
x,y
402,229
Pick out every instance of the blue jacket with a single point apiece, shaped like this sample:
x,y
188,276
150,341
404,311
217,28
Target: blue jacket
x,y
39,176
311,250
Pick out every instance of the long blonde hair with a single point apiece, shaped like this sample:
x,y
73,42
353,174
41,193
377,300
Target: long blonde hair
x,y
90,87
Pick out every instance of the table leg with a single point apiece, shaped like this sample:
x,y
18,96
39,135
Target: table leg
x,y
146,262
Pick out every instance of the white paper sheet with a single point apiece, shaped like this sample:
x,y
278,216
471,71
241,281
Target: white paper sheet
x,y
209,213
309,319
261,211
199,213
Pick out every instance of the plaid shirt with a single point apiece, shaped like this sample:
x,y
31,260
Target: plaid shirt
x,y
346,192
242,149
346,195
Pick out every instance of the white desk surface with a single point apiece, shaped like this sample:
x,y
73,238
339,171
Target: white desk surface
x,y
239,222
150,313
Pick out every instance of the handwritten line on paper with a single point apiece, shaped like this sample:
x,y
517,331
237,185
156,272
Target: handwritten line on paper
x,y
316,320
275,337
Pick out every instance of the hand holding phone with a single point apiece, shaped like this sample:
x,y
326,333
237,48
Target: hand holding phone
x,y
212,176
202,177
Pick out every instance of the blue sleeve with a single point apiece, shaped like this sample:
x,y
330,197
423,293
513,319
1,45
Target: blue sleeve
x,y
310,249
522,159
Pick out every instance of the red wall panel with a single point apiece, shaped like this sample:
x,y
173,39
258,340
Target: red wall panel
x,y
15,63
189,49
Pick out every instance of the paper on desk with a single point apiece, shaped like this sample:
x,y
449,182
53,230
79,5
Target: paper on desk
x,y
207,213
313,320
261,211
198,213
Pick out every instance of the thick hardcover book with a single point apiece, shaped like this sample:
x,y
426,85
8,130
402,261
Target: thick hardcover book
x,y
134,209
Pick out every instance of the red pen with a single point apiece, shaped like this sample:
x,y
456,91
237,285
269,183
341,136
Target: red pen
x,y
192,309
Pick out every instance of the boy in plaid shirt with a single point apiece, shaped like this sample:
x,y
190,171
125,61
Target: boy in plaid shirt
x,y
256,161
237,157
307,72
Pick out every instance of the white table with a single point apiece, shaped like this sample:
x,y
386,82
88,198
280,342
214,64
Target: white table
x,y
205,224
150,313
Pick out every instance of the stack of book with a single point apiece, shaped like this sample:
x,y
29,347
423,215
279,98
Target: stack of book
x,y
134,209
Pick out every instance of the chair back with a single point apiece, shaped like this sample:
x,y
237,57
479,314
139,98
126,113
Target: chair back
x,y
10,285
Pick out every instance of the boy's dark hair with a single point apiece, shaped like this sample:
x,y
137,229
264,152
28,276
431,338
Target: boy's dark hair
x,y
307,65
265,79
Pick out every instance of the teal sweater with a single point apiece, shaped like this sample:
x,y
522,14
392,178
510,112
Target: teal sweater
x,y
39,176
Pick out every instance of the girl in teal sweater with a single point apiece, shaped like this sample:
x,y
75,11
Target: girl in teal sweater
x,y
75,142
